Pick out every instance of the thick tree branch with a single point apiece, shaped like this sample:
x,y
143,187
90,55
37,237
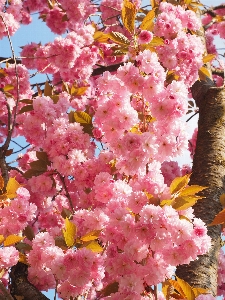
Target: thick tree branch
x,y
20,286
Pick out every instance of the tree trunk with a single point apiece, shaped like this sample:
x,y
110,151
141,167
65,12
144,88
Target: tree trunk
x,y
208,170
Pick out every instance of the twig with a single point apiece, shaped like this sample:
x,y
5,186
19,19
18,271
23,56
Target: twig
x,y
11,127
192,116
16,169
62,178
22,148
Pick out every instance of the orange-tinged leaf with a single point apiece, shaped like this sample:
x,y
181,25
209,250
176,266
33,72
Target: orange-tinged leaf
x,y
91,236
167,202
82,117
219,218
8,87
166,289
170,76
48,89
208,58
3,197
1,182
153,3
23,258
12,239
148,22
128,14
203,73
101,37
78,91
179,183
222,200
177,286
184,202
111,288
12,187
119,38
26,108
2,73
187,2
69,232
156,41
94,247
199,291
187,289
1,238
2,272
192,190
71,117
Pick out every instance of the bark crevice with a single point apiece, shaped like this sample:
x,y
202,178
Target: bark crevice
x,y
208,170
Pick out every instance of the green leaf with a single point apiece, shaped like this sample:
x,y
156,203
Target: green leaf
x,y
82,117
128,14
26,109
148,22
118,38
111,288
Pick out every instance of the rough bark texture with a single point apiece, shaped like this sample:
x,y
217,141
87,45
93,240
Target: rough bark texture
x,y
208,170
20,286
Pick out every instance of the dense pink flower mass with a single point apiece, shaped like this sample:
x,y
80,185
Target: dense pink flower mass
x,y
89,199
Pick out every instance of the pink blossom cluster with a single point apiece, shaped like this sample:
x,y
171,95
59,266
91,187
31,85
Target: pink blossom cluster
x,y
174,19
110,171
73,57
17,215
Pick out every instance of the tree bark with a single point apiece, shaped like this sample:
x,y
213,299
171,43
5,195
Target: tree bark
x,y
208,170
20,286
